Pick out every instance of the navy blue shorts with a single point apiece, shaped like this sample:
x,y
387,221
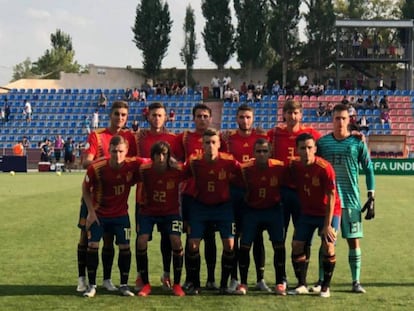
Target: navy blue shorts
x,y
120,227
220,215
307,225
270,219
171,224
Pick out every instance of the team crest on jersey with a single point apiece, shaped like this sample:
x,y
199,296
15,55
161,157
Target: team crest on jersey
x,y
118,176
211,172
316,182
222,174
246,145
263,178
170,184
273,181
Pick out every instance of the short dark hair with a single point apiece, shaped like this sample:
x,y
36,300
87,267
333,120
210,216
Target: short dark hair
x,y
210,132
201,107
262,141
156,105
340,108
244,107
304,137
117,140
119,104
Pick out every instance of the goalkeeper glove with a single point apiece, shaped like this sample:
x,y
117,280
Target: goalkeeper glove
x,y
369,206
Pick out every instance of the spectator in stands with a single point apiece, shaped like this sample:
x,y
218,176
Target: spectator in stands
x,y
363,124
251,86
58,147
276,89
348,84
329,109
145,113
228,95
95,119
27,111
198,89
46,151
215,85
243,88
70,151
143,96
86,125
6,111
359,102
2,115
383,103
135,94
171,115
226,81
303,83
250,96
235,95
356,43
259,87
385,117
369,103
345,100
128,94
102,101
26,144
18,149
380,82
321,111
135,126
352,113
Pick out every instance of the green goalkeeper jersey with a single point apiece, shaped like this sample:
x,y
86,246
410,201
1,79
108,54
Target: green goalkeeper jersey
x,y
346,156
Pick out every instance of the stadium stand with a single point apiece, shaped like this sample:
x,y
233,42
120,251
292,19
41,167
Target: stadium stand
x,y
62,111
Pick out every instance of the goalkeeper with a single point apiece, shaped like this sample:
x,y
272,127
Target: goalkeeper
x,y
346,153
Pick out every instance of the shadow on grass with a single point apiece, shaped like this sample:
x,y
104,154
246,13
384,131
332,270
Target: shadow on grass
x,y
368,285
65,290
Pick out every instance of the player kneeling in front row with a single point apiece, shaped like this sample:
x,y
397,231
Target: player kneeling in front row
x,y
320,209
262,178
160,178
105,190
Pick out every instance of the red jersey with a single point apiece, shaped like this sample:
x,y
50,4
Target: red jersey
x,y
240,146
98,143
110,187
313,182
192,144
284,142
146,138
160,191
212,179
263,184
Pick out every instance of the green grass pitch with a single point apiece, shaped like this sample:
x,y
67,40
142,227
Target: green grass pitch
x,y
38,217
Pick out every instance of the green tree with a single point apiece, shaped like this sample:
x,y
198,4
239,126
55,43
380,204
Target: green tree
x,y
218,34
152,34
319,50
407,12
350,8
23,70
189,51
251,32
61,57
284,31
